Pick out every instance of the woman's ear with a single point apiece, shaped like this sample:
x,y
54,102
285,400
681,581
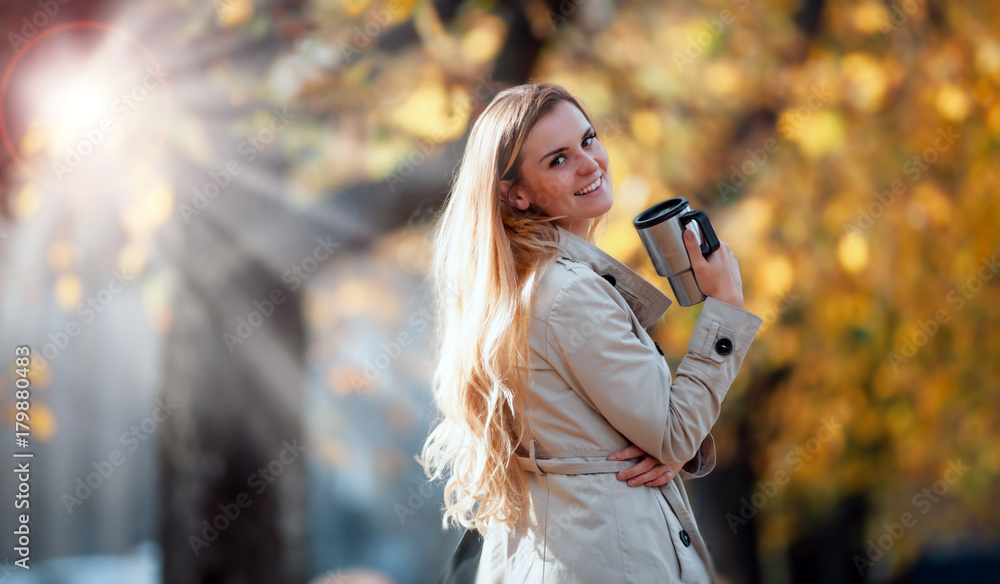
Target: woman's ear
x,y
513,196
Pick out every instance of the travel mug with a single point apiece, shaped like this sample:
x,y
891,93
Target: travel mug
x,y
661,229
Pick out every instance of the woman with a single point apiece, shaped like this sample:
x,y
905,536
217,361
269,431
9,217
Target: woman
x,y
548,386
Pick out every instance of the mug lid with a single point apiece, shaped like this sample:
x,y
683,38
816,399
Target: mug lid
x,y
660,212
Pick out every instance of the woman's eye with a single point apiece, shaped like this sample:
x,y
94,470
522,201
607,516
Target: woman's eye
x,y
557,160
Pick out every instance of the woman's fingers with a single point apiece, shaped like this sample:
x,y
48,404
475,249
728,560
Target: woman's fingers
x,y
694,250
667,476
648,471
631,451
638,468
718,275
657,475
663,479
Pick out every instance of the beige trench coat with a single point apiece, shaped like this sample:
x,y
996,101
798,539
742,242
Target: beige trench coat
x,y
600,383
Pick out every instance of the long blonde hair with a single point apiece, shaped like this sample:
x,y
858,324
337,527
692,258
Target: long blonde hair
x,y
487,256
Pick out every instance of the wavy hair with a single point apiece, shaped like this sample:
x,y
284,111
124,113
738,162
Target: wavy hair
x,y
487,258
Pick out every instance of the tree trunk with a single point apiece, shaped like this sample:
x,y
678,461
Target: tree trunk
x,y
232,465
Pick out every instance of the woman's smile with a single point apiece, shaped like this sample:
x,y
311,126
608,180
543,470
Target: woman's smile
x,y
592,188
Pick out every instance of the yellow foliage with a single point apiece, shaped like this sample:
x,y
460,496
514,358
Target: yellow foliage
x,y
645,127
233,12
26,201
852,253
484,40
62,255
952,103
821,133
867,82
68,292
815,128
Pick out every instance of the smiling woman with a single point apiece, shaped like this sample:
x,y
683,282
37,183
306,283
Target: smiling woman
x,y
546,380
569,180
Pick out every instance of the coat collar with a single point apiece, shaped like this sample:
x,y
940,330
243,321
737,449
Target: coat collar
x,y
648,303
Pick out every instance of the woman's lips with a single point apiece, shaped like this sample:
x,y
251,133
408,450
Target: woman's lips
x,y
599,187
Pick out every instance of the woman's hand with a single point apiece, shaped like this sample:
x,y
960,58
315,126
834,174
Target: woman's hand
x,y
718,275
648,471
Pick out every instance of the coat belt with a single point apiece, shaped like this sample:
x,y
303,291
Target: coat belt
x,y
592,465
570,465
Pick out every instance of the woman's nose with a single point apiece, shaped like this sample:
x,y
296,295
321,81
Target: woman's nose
x,y
588,165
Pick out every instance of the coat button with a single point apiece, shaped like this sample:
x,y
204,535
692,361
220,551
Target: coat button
x,y
685,538
658,347
724,346
611,279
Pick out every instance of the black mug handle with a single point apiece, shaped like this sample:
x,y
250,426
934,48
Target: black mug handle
x,y
709,240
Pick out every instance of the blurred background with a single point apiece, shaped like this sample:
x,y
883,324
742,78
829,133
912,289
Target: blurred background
x,y
214,241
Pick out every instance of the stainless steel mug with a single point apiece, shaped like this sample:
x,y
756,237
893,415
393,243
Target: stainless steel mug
x,y
661,229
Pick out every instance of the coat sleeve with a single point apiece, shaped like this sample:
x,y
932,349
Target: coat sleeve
x,y
590,335
702,463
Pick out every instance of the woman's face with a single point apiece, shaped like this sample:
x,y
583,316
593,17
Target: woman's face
x,y
564,170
